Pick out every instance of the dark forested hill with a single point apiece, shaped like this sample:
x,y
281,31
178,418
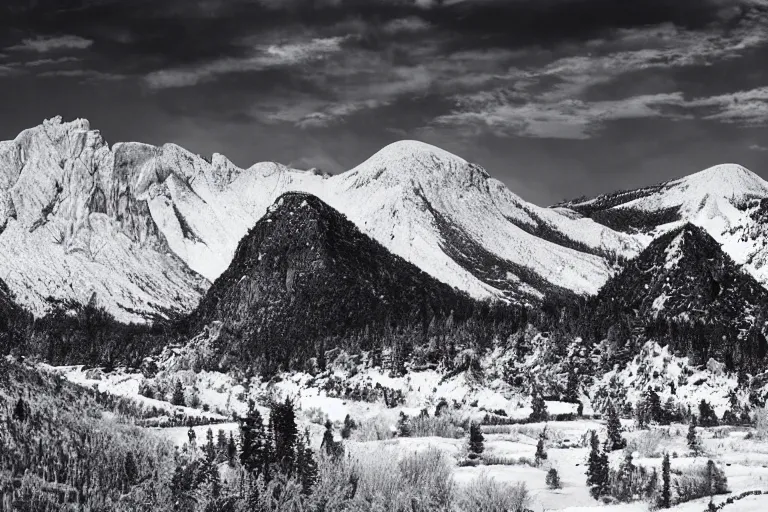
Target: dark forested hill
x,y
685,290
305,272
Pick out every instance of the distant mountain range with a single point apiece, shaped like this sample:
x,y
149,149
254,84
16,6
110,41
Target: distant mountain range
x,y
144,231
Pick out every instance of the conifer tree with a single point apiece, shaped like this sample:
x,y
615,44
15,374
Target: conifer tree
x,y
20,411
717,483
476,441
231,450
653,403
541,454
616,441
349,425
693,439
306,466
553,479
665,500
572,385
286,435
210,448
624,478
178,394
403,426
597,468
252,441
539,406
707,416
131,470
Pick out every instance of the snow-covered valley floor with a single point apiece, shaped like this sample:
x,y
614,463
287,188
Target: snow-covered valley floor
x,y
509,449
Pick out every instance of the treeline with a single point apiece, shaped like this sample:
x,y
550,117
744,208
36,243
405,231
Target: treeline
x,y
78,334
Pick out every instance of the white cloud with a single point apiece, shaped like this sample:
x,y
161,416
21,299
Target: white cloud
x,y
743,107
85,74
50,62
47,44
265,57
566,119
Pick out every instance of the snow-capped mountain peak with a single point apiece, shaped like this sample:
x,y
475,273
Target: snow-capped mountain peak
x,y
732,182
725,200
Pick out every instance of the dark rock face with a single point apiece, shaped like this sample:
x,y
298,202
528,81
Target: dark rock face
x,y
304,273
683,289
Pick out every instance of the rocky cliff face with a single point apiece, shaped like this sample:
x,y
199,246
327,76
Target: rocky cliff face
x,y
76,226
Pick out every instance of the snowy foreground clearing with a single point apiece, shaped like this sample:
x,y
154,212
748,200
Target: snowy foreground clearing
x,y
509,450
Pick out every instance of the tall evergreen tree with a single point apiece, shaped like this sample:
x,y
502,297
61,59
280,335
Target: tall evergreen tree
x,y
625,479
541,453
539,406
253,441
665,500
476,441
553,479
694,444
177,398
231,450
306,466
597,468
707,416
20,411
717,483
286,435
616,441
655,411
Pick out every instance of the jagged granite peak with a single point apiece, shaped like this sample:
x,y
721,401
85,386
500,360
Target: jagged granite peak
x,y
306,272
74,226
684,277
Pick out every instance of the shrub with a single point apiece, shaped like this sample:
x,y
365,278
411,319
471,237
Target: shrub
x,y
499,460
377,428
316,415
487,495
553,479
699,482
647,443
449,424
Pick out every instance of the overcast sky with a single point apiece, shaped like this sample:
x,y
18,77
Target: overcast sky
x,y
557,98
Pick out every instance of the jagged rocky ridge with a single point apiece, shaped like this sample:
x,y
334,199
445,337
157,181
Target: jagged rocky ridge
x,y
76,227
142,230
305,273
686,291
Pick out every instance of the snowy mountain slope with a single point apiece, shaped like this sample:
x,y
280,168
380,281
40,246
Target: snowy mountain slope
x,y
424,204
725,200
65,191
436,210
74,229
